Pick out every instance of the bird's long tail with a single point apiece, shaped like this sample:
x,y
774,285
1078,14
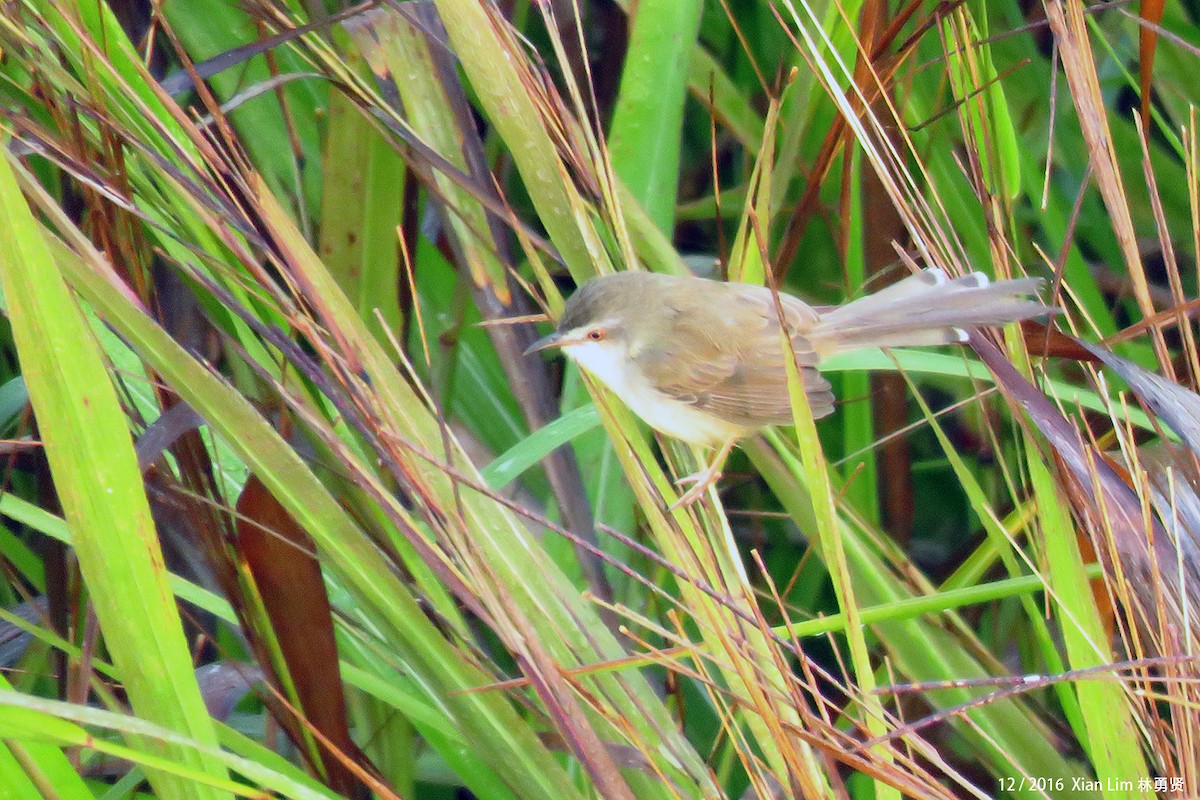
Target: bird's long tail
x,y
925,309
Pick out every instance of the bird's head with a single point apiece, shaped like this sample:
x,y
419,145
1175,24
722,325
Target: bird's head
x,y
604,319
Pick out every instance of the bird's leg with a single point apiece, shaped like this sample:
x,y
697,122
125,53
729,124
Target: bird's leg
x,y
704,478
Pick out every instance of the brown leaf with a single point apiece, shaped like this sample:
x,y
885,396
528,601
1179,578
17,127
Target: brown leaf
x,y
1046,342
1102,497
280,557
1151,11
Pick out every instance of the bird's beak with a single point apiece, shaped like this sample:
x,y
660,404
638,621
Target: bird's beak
x,y
545,343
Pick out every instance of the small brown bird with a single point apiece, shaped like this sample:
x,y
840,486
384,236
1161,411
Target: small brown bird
x,y
702,360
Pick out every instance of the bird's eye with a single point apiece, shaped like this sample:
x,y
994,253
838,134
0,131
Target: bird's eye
x,y
595,335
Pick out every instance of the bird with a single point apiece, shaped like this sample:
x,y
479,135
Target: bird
x,y
703,360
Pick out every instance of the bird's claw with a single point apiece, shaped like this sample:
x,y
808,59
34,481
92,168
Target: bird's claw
x,y
700,482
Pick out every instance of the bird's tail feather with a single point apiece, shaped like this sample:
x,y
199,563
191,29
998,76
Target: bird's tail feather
x,y
926,309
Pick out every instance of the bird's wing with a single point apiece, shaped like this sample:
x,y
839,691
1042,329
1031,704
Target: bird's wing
x,y
731,363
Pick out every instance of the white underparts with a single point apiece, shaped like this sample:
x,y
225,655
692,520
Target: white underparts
x,y
608,363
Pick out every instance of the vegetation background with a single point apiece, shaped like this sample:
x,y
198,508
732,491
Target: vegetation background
x,y
287,513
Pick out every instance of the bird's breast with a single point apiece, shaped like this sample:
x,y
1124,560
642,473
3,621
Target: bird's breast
x,y
658,410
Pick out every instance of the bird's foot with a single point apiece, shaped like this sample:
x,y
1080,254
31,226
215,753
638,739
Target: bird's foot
x,y
700,482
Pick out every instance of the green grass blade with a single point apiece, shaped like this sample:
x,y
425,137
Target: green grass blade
x,y
22,716
99,486
644,141
1110,735
509,465
32,770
